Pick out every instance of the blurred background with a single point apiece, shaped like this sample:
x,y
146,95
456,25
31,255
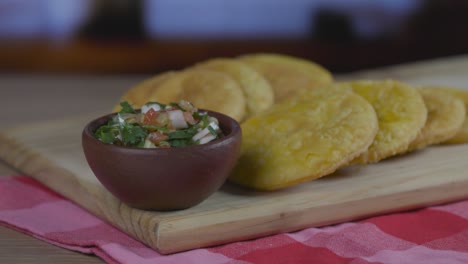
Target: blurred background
x,y
149,36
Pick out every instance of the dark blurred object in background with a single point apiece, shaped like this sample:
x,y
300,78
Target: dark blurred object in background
x,y
111,19
439,27
332,26
148,36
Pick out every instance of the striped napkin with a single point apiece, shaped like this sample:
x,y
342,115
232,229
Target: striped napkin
x,y
437,234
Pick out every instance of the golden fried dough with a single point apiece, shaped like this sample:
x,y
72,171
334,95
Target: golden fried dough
x,y
288,75
210,90
138,95
446,115
401,113
462,134
299,140
258,92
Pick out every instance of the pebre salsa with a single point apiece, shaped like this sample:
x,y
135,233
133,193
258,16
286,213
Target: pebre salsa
x,y
159,125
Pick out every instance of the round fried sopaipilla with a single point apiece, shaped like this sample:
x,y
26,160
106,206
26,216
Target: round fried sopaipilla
x,y
462,135
288,75
138,95
206,89
401,113
300,140
258,92
446,115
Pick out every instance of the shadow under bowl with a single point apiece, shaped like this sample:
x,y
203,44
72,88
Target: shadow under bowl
x,y
163,178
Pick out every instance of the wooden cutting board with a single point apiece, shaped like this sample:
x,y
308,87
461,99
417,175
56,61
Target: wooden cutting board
x,y
51,153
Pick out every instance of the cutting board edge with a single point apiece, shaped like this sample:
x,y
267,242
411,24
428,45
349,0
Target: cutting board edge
x,y
162,240
172,242
38,167
83,118
405,71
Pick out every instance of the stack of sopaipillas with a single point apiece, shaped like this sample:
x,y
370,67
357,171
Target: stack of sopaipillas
x,y
299,125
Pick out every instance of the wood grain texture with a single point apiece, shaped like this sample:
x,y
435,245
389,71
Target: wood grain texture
x,y
51,152
16,247
450,71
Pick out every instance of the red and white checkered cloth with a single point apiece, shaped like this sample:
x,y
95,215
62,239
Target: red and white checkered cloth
x,y
433,235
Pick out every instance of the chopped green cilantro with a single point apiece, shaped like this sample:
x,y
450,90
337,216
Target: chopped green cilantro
x,y
180,142
156,128
106,134
212,130
126,108
204,120
183,134
133,134
132,129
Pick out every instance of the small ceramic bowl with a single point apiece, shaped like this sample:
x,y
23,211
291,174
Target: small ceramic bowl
x,y
163,179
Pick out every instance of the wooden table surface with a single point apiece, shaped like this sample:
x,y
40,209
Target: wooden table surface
x,y
26,98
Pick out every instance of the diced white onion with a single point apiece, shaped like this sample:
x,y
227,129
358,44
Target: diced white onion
x,y
149,144
146,108
214,125
213,120
205,131
200,134
207,139
177,119
121,119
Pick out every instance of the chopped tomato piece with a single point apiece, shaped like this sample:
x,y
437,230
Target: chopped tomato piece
x,y
151,118
157,137
189,118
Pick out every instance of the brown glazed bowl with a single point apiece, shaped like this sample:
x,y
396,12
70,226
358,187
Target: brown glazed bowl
x,y
163,179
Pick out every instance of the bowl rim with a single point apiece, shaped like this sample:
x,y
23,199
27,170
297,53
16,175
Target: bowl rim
x,y
232,124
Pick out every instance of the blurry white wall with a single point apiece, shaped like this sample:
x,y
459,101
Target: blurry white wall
x,y
268,18
42,18
207,18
